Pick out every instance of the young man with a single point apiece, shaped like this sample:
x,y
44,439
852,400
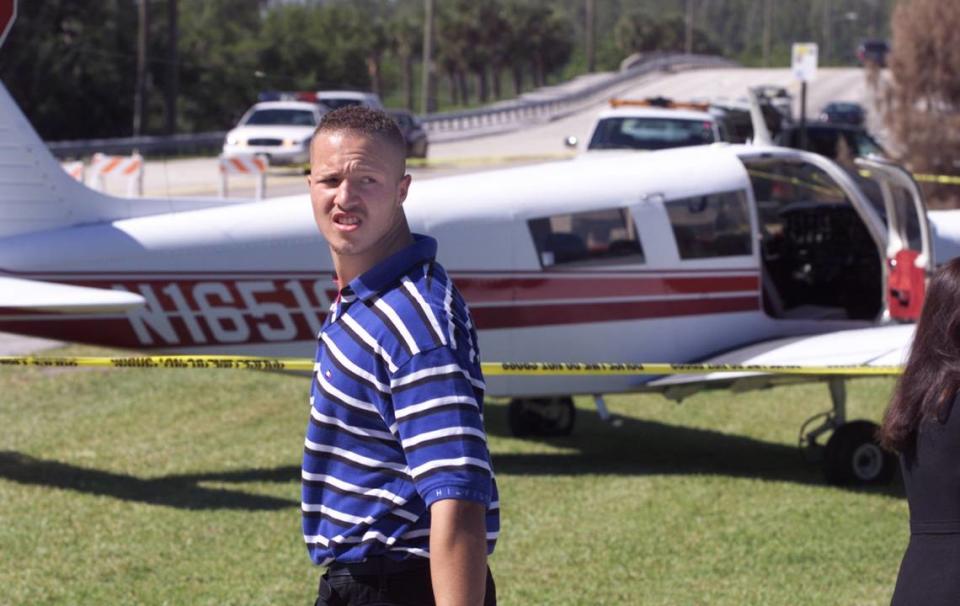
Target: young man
x,y
399,500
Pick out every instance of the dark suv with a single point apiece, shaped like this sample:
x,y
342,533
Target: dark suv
x,y
413,132
843,112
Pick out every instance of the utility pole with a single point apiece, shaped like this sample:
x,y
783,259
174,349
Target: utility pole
x,y
427,101
767,19
140,94
825,33
589,11
170,96
688,38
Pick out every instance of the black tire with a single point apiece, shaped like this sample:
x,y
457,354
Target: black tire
x,y
854,457
545,417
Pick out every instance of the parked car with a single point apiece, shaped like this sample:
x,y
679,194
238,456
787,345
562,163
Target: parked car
x,y
825,139
843,112
331,99
651,124
873,52
281,130
413,132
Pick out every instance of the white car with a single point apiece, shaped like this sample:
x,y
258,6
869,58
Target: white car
x,y
281,130
645,126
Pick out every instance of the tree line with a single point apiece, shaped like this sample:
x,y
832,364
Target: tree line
x,y
921,98
73,66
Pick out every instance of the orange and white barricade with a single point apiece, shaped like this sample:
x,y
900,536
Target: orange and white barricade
x,y
251,165
74,169
131,167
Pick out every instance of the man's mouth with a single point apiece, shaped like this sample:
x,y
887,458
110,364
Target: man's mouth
x,y
346,221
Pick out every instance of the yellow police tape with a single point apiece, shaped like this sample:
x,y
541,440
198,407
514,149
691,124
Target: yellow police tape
x,y
942,179
489,368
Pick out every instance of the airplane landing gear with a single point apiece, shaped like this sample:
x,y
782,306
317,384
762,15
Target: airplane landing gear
x,y
545,417
852,455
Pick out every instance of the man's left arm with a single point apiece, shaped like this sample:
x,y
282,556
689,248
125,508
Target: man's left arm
x,y
458,552
437,405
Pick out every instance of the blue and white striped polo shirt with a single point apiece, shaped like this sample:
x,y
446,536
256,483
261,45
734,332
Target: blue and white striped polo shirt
x,y
396,419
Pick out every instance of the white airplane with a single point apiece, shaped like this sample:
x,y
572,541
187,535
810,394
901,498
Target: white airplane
x,y
748,254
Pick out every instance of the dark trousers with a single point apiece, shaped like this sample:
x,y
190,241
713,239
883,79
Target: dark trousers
x,y
383,582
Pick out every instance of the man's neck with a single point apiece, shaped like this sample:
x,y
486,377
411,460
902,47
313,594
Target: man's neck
x,y
348,267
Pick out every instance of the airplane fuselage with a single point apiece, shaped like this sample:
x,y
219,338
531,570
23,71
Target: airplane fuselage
x,y
257,279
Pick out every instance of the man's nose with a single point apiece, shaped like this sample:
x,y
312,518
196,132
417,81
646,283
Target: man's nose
x,y
346,194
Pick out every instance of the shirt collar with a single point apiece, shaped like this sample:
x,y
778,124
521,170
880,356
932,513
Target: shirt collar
x,y
387,272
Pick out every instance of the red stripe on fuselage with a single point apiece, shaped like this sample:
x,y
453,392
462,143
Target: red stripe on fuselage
x,y
477,290
530,316
521,301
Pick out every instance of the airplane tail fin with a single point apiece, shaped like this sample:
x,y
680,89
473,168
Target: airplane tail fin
x,y
35,192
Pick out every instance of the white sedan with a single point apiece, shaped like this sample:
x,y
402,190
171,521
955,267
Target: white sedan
x,y
281,130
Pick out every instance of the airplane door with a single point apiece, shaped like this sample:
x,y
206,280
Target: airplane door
x,y
909,256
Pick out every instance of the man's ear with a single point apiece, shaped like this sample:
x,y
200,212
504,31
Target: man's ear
x,y
403,187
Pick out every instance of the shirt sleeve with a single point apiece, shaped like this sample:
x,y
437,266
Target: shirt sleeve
x,y
437,406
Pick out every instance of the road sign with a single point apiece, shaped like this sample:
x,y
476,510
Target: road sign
x,y
804,61
8,12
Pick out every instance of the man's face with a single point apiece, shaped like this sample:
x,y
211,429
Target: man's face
x,y
357,188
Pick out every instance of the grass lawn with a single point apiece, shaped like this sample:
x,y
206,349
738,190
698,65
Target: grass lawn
x,y
181,487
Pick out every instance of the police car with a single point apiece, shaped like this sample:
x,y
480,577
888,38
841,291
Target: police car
x,y
280,130
651,124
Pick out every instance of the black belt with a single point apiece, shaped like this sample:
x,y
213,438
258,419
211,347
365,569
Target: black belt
x,y
935,527
378,565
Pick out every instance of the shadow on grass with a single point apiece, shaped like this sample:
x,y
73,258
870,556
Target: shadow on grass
x,y
179,491
639,447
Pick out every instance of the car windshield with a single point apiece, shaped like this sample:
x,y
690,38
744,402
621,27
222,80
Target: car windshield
x,y
650,133
338,103
285,117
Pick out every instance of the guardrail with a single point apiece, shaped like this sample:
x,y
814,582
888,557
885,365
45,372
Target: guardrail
x,y
443,126
160,144
447,126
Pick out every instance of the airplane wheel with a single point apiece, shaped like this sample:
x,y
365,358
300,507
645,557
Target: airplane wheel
x,y
853,456
541,416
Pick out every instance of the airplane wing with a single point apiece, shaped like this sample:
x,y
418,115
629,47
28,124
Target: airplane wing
x,y
63,298
875,346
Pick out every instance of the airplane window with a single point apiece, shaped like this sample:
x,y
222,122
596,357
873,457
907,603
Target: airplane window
x,y
714,225
603,237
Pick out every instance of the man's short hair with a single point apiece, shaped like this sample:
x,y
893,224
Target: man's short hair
x,y
364,120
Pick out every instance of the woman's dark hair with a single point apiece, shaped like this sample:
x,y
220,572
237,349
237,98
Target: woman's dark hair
x,y
931,377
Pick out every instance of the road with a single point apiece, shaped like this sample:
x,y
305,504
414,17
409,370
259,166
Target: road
x,y
200,177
